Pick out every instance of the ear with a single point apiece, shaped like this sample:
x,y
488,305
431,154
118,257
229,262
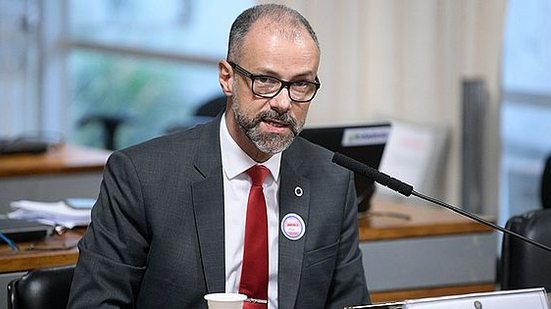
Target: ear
x,y
225,77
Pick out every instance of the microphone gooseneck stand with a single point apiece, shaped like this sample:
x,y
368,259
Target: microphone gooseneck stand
x,y
407,190
480,220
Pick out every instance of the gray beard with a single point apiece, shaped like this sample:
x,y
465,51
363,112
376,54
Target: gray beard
x,y
268,143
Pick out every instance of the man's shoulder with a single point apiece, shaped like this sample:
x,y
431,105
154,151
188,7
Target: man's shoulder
x,y
175,144
313,158
313,152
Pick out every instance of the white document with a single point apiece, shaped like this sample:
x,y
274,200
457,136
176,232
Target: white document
x,y
412,153
52,213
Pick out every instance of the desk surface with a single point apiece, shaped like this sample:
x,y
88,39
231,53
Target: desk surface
x,y
64,159
53,251
388,220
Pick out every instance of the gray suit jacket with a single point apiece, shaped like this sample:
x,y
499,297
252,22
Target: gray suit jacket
x,y
157,234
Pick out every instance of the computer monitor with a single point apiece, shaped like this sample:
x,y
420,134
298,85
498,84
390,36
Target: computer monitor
x,y
364,143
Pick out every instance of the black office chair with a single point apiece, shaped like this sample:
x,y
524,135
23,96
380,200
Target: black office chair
x,y
212,107
204,113
110,125
522,264
41,289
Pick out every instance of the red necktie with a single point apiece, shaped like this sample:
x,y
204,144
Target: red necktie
x,y
254,272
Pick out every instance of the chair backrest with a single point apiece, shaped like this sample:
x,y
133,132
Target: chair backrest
x,y
41,288
212,107
522,264
545,185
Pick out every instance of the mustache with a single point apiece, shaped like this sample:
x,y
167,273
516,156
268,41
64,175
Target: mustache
x,y
285,118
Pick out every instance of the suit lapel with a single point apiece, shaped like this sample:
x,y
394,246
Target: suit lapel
x,y
291,252
208,205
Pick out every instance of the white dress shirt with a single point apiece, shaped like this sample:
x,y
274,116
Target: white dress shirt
x,y
236,192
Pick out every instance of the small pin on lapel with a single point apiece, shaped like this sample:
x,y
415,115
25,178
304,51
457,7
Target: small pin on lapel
x,y
298,191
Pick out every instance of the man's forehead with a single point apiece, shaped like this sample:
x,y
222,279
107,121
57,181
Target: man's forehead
x,y
290,30
265,38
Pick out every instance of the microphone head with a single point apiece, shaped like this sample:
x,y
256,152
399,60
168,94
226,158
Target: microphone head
x,y
373,174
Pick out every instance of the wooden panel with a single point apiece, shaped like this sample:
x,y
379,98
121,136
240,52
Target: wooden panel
x,y
64,159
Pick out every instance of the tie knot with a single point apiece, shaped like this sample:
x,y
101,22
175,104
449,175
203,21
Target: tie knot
x,y
258,174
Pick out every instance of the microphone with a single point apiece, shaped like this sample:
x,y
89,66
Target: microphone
x,y
407,190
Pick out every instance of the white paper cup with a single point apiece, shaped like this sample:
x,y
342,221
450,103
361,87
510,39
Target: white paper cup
x,y
225,300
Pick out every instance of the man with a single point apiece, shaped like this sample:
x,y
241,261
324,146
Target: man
x,y
171,221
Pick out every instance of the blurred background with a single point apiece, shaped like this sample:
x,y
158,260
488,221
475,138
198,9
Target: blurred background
x,y
471,77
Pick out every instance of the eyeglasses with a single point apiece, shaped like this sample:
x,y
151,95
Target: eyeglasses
x,y
268,86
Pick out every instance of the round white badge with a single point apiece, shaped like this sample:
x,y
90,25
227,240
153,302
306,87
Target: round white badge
x,y
293,226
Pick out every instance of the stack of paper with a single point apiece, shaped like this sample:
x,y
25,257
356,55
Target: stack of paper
x,y
53,213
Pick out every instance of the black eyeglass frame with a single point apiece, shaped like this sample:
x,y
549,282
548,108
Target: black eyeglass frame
x,y
284,84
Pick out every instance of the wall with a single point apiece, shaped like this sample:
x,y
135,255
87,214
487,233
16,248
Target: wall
x,y
392,59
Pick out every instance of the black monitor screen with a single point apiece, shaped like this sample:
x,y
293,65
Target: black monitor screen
x,y
364,143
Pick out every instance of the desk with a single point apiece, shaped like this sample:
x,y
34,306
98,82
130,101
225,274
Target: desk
x,y
56,250
60,160
414,251
395,250
62,172
389,220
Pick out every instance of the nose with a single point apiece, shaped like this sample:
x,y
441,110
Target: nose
x,y
282,101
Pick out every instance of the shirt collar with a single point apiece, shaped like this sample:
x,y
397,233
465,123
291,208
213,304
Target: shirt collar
x,y
235,161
